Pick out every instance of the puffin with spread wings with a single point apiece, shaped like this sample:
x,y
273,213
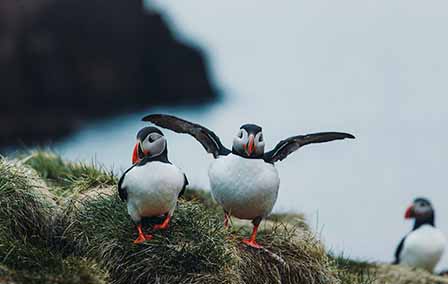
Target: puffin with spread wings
x,y
244,181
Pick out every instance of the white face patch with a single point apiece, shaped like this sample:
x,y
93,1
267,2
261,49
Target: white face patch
x,y
422,208
154,144
241,139
259,144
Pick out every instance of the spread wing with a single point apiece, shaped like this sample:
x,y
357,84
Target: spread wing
x,y
122,192
287,146
206,137
398,251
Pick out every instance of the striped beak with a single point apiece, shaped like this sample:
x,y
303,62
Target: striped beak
x,y
138,151
250,147
135,156
410,213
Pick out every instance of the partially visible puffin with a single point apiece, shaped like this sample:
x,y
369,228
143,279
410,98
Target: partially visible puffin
x,y
244,180
152,185
424,245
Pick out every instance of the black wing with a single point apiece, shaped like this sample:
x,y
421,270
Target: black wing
x,y
185,186
287,146
122,192
206,137
398,251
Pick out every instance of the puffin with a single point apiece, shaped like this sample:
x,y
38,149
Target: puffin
x,y
152,185
243,180
424,245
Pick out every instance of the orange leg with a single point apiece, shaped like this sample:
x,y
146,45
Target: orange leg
x,y
164,225
252,241
141,236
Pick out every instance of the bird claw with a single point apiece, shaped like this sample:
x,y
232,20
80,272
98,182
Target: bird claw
x,y
142,238
252,243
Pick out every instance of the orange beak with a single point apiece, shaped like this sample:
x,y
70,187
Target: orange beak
x,y
135,158
409,213
251,145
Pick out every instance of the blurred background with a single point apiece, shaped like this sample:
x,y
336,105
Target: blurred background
x,y
77,77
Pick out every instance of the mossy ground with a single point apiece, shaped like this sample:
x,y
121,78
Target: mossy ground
x,y
64,223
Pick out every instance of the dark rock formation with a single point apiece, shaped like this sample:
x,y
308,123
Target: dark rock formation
x,y
65,61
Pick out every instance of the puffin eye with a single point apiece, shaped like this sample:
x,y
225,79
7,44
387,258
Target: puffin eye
x,y
240,134
260,138
150,140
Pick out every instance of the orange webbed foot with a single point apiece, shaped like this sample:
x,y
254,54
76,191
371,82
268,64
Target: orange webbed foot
x,y
142,238
252,243
164,225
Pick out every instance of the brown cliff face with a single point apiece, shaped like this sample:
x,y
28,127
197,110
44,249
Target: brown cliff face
x,y
63,62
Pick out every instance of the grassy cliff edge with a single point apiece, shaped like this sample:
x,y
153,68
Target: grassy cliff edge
x,y
62,222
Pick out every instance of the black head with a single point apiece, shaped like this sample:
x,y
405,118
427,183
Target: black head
x,y
144,132
422,211
150,143
249,142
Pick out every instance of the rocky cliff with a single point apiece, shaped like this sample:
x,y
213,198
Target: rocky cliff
x,y
66,61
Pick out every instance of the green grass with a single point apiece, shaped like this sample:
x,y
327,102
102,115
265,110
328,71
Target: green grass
x,y
31,250
291,256
68,178
195,244
196,248
24,213
354,271
203,197
86,237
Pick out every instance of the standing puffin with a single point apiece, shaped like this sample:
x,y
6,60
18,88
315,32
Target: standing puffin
x,y
243,180
424,245
152,185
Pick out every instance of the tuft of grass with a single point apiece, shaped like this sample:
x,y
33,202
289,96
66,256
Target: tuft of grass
x,y
195,249
203,197
26,262
351,271
194,246
68,178
400,274
30,248
24,212
297,220
291,255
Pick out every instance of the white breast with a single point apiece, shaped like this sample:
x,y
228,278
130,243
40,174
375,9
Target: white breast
x,y
246,188
152,189
423,248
